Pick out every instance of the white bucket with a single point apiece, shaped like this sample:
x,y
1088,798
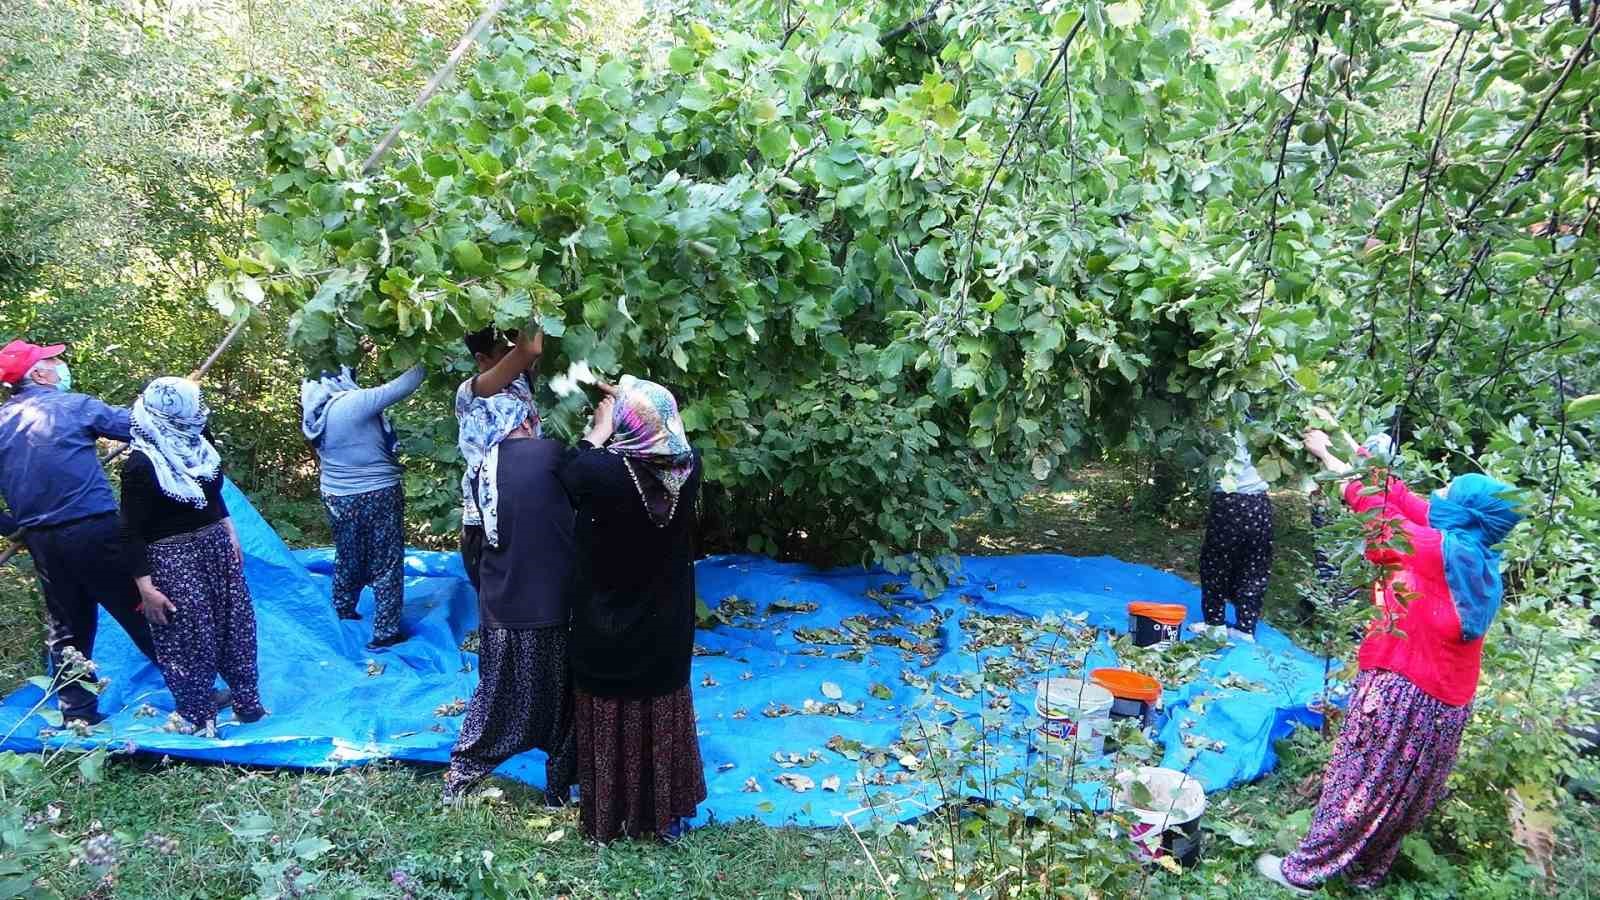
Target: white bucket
x,y
1172,823
1074,712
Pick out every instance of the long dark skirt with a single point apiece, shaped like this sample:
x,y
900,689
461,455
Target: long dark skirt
x,y
369,549
639,767
214,629
523,702
1387,771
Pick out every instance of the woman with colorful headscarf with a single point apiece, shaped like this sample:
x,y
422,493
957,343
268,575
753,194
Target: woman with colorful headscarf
x,y
1419,663
185,555
362,490
635,482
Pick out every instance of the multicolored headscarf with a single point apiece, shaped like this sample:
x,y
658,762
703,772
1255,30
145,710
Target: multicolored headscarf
x,y
169,419
486,424
648,434
1474,515
317,394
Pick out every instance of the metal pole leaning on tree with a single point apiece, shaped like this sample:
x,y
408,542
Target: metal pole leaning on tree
x,y
18,546
437,81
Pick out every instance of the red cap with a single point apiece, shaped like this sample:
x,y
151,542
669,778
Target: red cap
x,y
19,356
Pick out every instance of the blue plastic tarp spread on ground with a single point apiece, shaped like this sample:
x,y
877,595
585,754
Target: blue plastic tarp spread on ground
x,y
334,703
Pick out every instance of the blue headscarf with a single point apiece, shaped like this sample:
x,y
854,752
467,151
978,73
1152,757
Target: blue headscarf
x,y
1474,515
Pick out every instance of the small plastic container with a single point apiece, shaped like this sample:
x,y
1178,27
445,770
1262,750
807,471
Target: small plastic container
x,y
1152,623
1076,713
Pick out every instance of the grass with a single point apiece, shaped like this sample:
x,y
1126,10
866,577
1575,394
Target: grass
x,y
242,832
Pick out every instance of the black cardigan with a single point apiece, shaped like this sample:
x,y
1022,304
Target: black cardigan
x,y
633,600
148,515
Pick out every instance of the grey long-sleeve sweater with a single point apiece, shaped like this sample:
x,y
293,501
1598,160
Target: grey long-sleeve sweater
x,y
356,457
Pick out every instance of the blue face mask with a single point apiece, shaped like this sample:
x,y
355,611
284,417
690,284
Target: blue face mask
x,y
63,378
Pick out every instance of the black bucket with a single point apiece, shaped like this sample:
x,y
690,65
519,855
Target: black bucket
x,y
1147,630
1142,712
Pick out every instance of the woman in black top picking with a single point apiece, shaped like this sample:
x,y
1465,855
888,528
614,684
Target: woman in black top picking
x,y
185,556
635,482
524,695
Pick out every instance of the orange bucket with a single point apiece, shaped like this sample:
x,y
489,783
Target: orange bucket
x,y
1135,694
1126,684
1152,623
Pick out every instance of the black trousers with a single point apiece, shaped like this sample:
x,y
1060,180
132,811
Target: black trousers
x,y
81,565
1236,558
472,551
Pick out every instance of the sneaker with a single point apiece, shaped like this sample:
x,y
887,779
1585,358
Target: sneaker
x,y
250,715
1235,636
1271,868
377,644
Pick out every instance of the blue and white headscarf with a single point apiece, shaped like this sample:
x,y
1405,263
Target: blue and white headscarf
x,y
317,394
169,419
1474,515
485,424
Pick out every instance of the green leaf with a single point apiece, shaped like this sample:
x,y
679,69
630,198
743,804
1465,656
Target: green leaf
x,y
1584,407
682,60
91,766
309,848
468,255
773,143
615,74
276,231
930,261
1124,14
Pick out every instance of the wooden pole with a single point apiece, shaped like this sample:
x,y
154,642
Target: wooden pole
x,y
436,82
18,546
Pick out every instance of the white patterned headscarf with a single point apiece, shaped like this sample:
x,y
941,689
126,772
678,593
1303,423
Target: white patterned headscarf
x,y
168,421
488,422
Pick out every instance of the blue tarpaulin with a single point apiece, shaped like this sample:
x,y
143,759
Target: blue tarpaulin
x,y
788,629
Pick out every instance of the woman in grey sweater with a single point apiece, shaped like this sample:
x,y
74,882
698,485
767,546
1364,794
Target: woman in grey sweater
x,y
361,486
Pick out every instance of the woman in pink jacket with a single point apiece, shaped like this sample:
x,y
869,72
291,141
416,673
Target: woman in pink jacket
x,y
1439,590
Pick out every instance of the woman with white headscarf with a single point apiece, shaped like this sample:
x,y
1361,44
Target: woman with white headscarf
x,y
362,490
185,555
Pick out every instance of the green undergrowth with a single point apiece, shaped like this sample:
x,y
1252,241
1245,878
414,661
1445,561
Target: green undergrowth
x,y
180,830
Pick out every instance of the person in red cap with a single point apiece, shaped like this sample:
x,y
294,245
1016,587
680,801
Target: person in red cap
x,y
57,494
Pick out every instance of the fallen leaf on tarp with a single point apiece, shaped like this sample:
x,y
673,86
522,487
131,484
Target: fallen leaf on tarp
x,y
796,782
454,708
831,783
881,691
740,713
724,767
846,747
785,605
751,786
910,761
746,676
832,691
708,681
848,708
